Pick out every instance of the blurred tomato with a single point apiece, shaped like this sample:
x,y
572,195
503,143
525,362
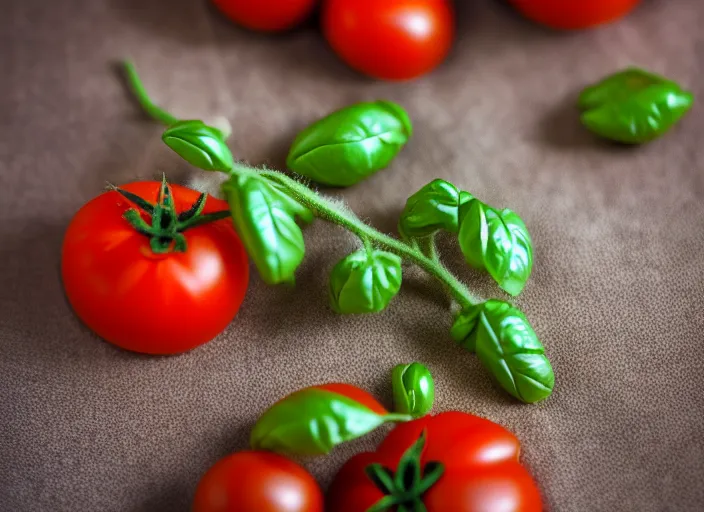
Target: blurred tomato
x,y
574,14
266,15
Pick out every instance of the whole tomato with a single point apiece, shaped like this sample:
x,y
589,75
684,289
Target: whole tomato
x,y
574,14
390,39
149,294
252,481
266,15
450,462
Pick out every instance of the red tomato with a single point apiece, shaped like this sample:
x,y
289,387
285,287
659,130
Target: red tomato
x,y
257,482
481,468
266,15
574,14
390,39
147,302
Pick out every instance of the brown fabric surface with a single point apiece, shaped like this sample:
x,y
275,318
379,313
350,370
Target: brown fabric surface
x,y
616,293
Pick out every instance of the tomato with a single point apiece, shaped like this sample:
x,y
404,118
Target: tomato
x,y
145,301
266,15
253,481
574,14
480,468
390,39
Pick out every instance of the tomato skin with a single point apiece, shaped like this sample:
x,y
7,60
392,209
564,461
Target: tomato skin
x,y
253,481
574,14
146,302
266,15
390,40
482,472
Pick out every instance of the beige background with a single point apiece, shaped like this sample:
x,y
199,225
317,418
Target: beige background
x,y
616,294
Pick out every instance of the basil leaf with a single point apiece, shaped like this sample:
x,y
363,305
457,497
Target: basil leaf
x,y
413,388
496,241
265,219
434,207
199,144
507,345
350,144
642,117
463,326
365,282
313,421
618,87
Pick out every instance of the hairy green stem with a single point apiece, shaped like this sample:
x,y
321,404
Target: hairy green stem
x,y
325,210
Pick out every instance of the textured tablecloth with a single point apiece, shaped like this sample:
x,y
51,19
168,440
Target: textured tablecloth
x,y
616,294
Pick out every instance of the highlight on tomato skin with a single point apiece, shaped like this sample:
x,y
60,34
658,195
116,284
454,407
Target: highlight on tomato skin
x,y
574,14
267,15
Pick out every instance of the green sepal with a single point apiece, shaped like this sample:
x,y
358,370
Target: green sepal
x,y
350,144
509,348
265,219
496,241
413,389
365,282
199,144
313,421
434,207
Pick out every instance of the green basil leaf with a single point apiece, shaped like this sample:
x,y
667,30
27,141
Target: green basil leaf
x,y
618,87
413,388
642,117
434,207
313,421
351,143
365,282
498,242
464,325
507,345
265,219
199,144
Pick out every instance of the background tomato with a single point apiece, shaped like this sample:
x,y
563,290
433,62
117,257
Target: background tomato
x,y
252,481
574,14
390,39
147,302
266,15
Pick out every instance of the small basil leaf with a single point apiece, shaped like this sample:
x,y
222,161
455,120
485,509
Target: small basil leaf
x,y
312,421
498,242
464,325
507,345
618,87
365,282
265,219
642,117
199,144
413,389
433,207
350,144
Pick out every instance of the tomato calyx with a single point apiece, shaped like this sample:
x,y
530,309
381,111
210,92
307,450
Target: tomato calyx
x,y
167,226
404,490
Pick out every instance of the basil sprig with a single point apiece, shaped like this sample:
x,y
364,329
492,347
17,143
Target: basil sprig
x,y
350,144
633,106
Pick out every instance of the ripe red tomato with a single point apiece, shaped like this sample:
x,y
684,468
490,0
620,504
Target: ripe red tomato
x,y
252,481
147,302
390,39
266,15
481,469
574,14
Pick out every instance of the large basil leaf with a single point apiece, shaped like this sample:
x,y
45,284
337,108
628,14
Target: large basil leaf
x,y
507,345
350,144
199,144
313,421
434,207
365,282
265,219
498,242
618,87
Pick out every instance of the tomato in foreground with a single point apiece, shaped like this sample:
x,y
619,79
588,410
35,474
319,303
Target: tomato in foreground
x,y
266,15
139,291
390,39
450,462
253,481
574,14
